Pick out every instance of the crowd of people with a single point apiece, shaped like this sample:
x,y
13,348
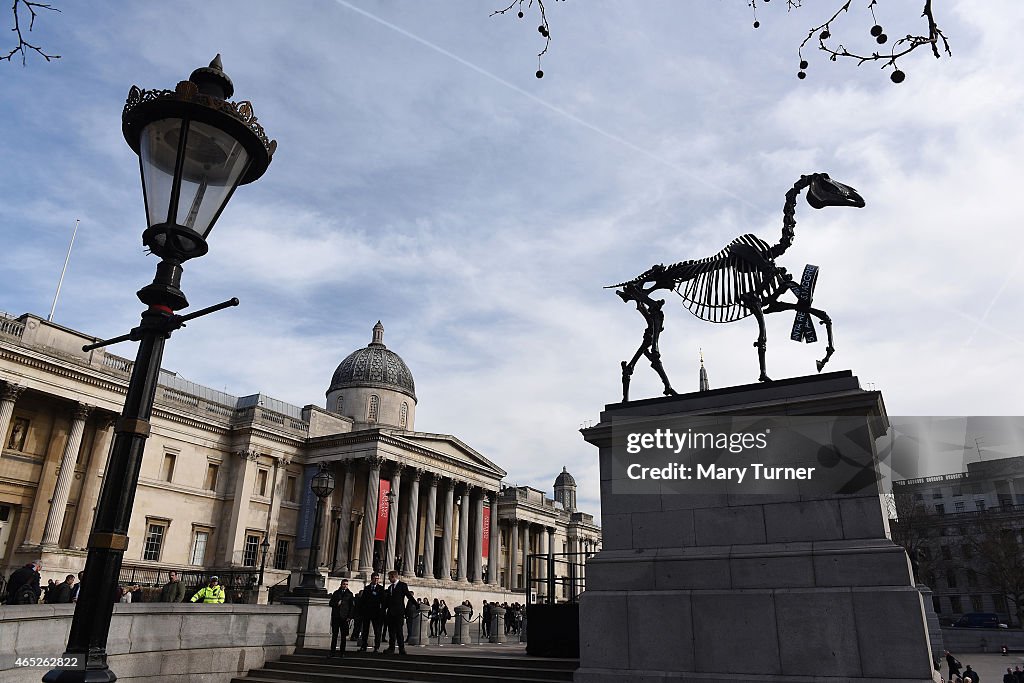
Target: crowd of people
x,y
24,588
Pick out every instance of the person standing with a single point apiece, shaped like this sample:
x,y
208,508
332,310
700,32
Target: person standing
x,y
972,674
371,610
485,611
61,593
211,594
173,590
395,598
443,618
77,590
343,608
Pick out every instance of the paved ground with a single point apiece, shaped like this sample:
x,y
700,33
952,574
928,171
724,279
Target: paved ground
x,y
991,667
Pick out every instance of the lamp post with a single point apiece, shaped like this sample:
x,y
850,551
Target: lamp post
x,y
388,557
312,582
265,547
194,148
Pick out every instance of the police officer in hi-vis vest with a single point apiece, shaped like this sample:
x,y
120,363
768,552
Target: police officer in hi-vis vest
x,y
211,594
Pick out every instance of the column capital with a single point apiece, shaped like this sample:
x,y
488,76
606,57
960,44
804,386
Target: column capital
x,y
11,391
284,459
396,468
251,456
431,478
81,411
450,485
492,496
551,530
357,516
374,461
415,473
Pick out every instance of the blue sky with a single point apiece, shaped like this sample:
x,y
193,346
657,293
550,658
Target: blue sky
x,y
426,178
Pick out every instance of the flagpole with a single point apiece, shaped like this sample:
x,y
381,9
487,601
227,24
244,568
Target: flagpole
x,y
67,258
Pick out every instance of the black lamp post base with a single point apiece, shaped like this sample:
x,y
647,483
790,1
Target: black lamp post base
x,y
103,675
312,585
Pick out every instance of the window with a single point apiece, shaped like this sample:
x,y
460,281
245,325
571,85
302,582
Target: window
x,y
937,494
281,554
966,550
940,509
199,541
937,604
167,471
251,550
261,483
211,477
954,602
958,506
403,418
338,405
1005,500
374,408
976,603
946,554
1000,603
290,489
951,578
972,581
979,505
154,541
958,491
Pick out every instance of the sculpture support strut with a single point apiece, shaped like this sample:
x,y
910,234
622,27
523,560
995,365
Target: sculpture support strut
x,y
739,281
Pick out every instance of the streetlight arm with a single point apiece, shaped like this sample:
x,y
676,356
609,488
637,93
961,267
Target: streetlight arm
x,y
168,325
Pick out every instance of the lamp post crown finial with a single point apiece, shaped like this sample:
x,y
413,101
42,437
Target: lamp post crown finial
x,y
212,80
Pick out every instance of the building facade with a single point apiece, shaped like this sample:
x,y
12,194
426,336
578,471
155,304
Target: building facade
x,y
222,475
964,533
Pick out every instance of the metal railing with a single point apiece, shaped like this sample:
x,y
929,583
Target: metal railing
x,y
240,586
556,577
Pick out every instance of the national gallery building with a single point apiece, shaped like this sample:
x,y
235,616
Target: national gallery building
x,y
222,475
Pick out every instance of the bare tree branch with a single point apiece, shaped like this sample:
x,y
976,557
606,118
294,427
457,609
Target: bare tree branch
x,y
23,45
824,33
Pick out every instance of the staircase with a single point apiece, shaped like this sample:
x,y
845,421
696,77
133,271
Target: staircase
x,y
469,666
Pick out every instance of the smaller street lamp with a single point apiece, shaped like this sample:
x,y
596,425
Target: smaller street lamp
x,y
389,557
265,547
312,582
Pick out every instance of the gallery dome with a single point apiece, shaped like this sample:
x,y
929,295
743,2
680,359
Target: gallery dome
x,y
374,366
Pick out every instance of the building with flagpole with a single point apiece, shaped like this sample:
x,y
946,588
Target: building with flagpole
x,y
223,476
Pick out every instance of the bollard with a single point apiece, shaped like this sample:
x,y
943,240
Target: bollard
x,y
497,626
462,636
419,633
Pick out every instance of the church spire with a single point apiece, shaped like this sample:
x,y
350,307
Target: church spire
x,y
704,385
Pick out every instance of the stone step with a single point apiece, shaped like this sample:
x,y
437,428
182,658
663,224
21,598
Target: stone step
x,y
515,659
465,668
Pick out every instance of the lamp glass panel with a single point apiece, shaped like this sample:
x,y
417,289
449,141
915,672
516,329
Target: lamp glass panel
x,y
214,163
158,149
323,484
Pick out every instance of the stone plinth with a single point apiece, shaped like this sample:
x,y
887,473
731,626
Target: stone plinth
x,y
314,627
740,583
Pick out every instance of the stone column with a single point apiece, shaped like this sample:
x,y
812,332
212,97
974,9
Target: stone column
x,y
341,558
412,517
8,395
492,552
370,514
526,556
428,528
445,569
59,502
392,535
277,492
244,479
463,534
542,566
478,537
513,553
92,480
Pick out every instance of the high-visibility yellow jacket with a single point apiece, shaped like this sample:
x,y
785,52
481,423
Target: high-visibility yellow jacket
x,y
209,594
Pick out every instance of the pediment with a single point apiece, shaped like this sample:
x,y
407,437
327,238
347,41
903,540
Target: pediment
x,y
451,447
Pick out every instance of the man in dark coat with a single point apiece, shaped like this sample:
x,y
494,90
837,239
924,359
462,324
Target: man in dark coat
x,y
343,608
173,590
371,610
23,586
62,591
395,598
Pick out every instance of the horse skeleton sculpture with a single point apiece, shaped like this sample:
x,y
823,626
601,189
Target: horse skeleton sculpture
x,y
740,280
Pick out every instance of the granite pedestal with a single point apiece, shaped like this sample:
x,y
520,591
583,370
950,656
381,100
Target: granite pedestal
x,y
730,585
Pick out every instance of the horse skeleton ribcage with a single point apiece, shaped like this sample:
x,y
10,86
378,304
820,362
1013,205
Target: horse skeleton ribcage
x,y
712,287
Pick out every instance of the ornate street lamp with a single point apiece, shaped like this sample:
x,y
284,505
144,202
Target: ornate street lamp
x,y
194,149
312,581
265,547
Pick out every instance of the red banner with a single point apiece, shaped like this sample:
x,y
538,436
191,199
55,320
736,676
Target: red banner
x,y
486,540
382,510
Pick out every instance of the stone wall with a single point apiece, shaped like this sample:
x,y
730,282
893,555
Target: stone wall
x,y
169,643
958,640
